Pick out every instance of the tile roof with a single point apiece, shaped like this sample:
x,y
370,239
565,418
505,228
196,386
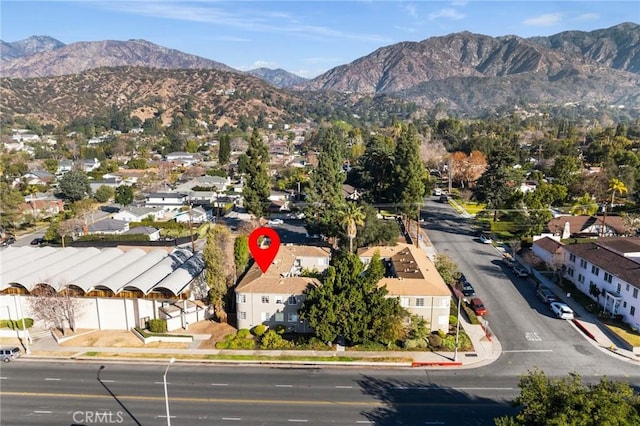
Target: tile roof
x,y
608,260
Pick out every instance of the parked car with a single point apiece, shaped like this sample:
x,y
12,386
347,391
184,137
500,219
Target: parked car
x,y
8,241
437,192
467,289
9,353
275,222
520,272
37,241
562,310
485,239
478,307
444,198
545,294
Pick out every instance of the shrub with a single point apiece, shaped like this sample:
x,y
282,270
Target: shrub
x,y
16,324
243,333
259,330
415,343
157,325
435,341
280,329
453,320
442,334
273,340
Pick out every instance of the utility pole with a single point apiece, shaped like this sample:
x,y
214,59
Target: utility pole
x,y
193,244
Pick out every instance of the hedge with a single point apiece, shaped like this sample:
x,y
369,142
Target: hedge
x,y
157,325
16,324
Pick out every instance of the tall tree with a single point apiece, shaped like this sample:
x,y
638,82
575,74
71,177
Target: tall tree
x,y
349,303
616,186
75,185
10,200
351,216
257,189
224,150
215,276
325,197
409,172
375,168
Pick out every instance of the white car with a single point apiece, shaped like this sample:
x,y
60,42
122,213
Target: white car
x,y
275,222
485,239
561,310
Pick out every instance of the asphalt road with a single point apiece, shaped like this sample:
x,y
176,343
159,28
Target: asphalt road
x,y
530,335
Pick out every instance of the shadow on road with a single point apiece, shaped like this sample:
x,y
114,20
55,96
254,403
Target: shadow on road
x,y
115,397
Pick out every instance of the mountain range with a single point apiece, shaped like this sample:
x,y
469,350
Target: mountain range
x,y
465,71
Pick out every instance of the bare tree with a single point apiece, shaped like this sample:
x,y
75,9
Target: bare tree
x,y
55,309
69,227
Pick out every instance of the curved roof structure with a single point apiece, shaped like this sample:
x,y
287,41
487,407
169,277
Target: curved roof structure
x,y
90,268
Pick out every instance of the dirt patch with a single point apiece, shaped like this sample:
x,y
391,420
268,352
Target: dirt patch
x,y
218,332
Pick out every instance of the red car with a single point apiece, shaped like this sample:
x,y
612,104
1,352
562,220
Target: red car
x,y
478,306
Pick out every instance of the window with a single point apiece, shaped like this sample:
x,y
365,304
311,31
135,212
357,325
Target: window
x,y
264,316
624,304
242,298
292,317
420,301
632,311
619,288
635,293
292,300
242,315
580,278
279,316
608,278
626,288
572,257
265,299
404,302
570,272
583,264
595,270
279,299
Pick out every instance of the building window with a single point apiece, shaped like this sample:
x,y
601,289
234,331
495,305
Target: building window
x,y
242,298
265,299
624,304
619,288
292,317
572,257
264,316
279,299
583,264
608,278
420,301
279,316
632,311
626,288
242,315
635,293
292,300
404,302
570,272
580,279
595,270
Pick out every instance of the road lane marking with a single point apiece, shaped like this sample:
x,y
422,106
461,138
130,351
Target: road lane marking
x,y
107,381
297,420
232,418
3,378
219,384
344,387
52,378
42,412
515,351
532,336
284,386
367,422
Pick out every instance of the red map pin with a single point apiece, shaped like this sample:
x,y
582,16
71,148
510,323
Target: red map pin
x,y
264,256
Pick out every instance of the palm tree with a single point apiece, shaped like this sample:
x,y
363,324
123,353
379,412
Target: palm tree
x,y
616,185
351,216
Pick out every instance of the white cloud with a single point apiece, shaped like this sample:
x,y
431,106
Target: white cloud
x,y
545,20
411,10
448,13
587,17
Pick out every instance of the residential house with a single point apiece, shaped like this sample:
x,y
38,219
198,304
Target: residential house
x,y
151,232
38,177
89,165
587,226
112,182
610,267
413,279
41,209
194,215
279,201
274,297
213,183
108,226
138,214
166,200
549,250
350,193
182,158
64,166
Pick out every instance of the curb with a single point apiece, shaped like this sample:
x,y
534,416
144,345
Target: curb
x,y
584,329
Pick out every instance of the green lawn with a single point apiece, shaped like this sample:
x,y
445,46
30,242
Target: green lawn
x,y
473,207
631,337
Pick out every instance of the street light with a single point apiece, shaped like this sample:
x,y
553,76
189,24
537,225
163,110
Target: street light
x,y
166,395
455,354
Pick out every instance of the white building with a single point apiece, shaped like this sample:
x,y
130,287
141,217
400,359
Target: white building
x,y
166,200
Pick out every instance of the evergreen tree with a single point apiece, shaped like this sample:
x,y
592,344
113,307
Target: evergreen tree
x,y
214,273
124,195
349,303
241,254
375,169
409,172
325,197
257,189
75,185
224,151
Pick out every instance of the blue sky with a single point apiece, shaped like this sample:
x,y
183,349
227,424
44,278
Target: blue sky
x,y
301,36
